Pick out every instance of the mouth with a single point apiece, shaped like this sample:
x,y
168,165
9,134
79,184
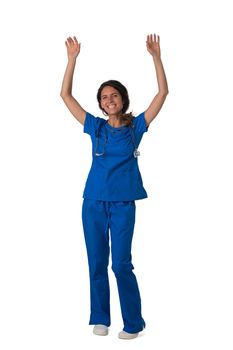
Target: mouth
x,y
111,106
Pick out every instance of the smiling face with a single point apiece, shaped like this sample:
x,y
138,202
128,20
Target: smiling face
x,y
111,101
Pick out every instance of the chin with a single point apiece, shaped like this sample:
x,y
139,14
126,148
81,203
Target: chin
x,y
114,113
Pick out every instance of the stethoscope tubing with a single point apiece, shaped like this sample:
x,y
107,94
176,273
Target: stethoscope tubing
x,y
136,153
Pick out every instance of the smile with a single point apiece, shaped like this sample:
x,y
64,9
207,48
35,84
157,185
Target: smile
x,y
111,105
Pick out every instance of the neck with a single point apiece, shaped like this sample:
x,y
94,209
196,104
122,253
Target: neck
x,y
115,121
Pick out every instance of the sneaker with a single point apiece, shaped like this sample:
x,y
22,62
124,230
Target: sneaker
x,y
100,329
125,335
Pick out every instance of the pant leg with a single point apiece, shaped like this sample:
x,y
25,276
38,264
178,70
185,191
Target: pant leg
x,y
96,233
122,219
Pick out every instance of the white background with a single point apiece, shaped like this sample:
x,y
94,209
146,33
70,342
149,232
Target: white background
x,y
182,250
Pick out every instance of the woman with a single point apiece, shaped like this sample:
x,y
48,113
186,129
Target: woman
x,y
113,184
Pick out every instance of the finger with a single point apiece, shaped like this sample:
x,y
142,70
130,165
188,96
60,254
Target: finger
x,y
75,40
70,40
158,39
155,38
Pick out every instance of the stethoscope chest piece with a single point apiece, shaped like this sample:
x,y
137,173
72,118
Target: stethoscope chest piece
x,y
136,153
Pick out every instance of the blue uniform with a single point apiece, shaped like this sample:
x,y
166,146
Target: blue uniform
x,y
113,184
114,176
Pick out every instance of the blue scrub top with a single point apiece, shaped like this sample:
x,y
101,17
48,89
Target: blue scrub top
x,y
114,175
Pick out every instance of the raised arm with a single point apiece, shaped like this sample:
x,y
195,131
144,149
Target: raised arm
x,y
153,47
73,50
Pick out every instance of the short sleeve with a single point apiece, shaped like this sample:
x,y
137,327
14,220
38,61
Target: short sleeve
x,y
139,124
89,124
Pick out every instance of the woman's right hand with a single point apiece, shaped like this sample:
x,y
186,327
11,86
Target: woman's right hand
x,y
73,47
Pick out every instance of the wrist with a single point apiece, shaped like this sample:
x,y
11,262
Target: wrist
x,y
72,59
156,58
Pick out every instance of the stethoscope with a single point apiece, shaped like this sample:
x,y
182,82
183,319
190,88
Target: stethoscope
x,y
136,152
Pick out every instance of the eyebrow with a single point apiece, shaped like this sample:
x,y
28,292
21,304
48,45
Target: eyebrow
x,y
113,93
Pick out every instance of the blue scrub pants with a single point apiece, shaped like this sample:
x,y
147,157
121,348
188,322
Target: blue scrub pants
x,y
100,217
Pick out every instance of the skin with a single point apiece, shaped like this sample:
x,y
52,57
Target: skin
x,y
111,100
153,47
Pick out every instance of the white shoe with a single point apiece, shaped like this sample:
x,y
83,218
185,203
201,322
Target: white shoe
x,y
100,329
125,335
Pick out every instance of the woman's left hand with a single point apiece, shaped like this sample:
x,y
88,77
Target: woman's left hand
x,y
153,45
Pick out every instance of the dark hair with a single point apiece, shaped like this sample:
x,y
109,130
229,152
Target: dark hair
x,y
125,117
